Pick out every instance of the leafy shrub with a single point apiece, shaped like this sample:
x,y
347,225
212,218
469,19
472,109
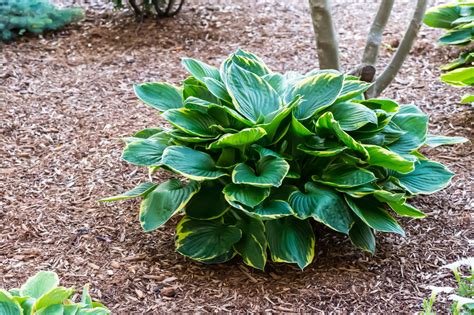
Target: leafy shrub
x,y
463,296
457,18
269,155
159,8
41,295
35,16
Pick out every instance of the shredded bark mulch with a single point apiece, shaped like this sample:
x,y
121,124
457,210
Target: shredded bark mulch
x,y
66,99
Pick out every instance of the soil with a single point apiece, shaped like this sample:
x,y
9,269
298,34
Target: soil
x,y
66,98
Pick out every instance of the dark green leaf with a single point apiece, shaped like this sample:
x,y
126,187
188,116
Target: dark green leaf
x,y
141,190
161,96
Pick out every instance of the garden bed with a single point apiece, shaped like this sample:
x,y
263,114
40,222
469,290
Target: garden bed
x,y
66,97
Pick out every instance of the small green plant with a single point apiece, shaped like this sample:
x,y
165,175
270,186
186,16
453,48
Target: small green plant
x,y
457,18
41,295
463,296
268,156
35,16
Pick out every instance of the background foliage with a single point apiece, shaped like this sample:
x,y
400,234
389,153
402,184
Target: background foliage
x,y
18,17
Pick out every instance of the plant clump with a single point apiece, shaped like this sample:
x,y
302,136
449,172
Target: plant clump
x,y
269,157
18,17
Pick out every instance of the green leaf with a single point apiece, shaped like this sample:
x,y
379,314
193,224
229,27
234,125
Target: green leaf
x,y
459,77
247,195
141,190
271,209
324,205
299,129
71,309
345,176
326,153
192,87
427,178
252,96
351,89
269,171
93,311
362,236
371,212
327,123
250,62
253,244
382,157
456,37
434,141
442,16
39,284
55,296
147,133
415,124
277,81
145,152
191,122
467,99
406,210
161,96
291,240
205,239
318,92
242,138
165,201
56,309
193,164
209,203
200,70
8,306
352,116
218,89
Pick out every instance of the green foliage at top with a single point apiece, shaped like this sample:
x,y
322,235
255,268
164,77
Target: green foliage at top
x,y
457,18
35,16
42,295
267,156
462,294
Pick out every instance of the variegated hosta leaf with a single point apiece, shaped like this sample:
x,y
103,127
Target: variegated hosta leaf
x,y
361,235
144,152
372,214
204,240
428,177
140,191
243,137
382,157
253,244
246,195
345,176
326,123
209,203
191,122
161,96
318,92
39,284
253,97
352,88
352,116
269,171
324,205
8,305
200,70
218,89
291,240
193,164
165,201
406,210
434,141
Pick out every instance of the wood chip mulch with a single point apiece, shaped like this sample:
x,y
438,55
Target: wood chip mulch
x,y
66,98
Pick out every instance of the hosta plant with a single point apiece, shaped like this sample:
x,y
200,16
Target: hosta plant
x,y
41,295
265,158
457,19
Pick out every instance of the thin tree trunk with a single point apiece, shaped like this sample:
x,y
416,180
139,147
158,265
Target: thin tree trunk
x,y
326,37
374,39
403,50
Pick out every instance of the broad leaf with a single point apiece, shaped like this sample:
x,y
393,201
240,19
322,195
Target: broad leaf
x,y
253,97
193,164
165,201
427,178
372,214
318,92
291,240
242,138
324,205
144,152
406,210
55,296
361,235
352,116
140,191
191,122
246,195
253,244
161,96
218,89
208,203
459,77
442,16
382,157
345,176
352,88
200,70
39,284
8,306
415,124
205,239
269,171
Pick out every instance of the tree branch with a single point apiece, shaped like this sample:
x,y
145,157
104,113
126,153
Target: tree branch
x,y
374,39
326,37
403,50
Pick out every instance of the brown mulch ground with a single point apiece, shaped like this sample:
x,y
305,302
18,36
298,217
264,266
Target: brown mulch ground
x,y
67,97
